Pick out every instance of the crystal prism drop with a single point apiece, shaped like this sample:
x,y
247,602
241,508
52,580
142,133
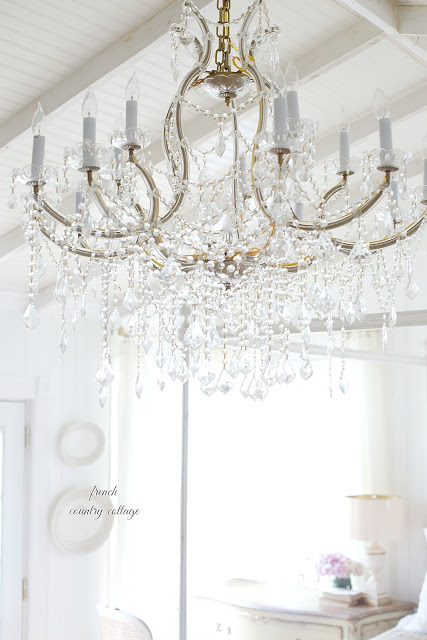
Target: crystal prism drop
x,y
63,343
285,371
74,321
244,387
343,383
392,319
306,370
220,145
173,368
412,289
83,307
115,319
261,391
94,287
105,373
130,301
233,368
147,341
183,373
245,363
205,375
31,318
175,70
350,314
12,201
305,335
225,382
87,227
102,396
384,337
138,386
208,391
271,374
161,383
40,266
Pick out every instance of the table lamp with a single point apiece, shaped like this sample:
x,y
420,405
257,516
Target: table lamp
x,y
374,519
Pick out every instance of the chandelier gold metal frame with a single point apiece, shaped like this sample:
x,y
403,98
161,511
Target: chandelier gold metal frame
x,y
239,257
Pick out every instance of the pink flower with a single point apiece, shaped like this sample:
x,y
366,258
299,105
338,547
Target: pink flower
x,y
337,565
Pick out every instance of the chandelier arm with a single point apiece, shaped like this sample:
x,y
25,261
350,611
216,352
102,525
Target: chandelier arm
x,y
204,58
242,43
85,253
335,189
67,222
339,222
376,245
153,214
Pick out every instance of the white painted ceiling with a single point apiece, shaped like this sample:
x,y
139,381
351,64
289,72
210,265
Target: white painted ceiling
x,y
52,50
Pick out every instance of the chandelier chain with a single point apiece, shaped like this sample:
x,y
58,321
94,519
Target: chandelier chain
x,y
222,55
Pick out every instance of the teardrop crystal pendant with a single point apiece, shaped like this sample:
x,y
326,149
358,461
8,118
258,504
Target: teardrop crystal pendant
x,y
105,373
138,386
220,145
12,201
306,370
225,382
63,342
115,319
102,396
343,383
384,337
412,289
392,320
184,373
31,318
285,371
130,301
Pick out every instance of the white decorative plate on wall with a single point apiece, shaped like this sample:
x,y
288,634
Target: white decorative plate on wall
x,y
81,443
79,525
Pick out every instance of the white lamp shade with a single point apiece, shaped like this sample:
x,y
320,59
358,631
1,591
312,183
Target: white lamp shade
x,y
375,517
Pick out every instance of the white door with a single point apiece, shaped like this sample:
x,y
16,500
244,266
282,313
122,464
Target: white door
x,y
12,450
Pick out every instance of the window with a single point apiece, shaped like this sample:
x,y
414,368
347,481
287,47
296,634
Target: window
x,y
266,482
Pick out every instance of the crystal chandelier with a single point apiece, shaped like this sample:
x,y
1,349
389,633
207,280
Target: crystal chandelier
x,y
248,239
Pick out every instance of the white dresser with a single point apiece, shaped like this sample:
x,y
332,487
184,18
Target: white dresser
x,y
251,611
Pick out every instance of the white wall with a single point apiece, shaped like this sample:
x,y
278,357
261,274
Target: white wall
x,y
62,589
406,411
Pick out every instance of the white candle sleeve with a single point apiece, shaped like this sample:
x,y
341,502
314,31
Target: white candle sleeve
x,y
386,140
131,114
280,115
293,105
37,158
89,129
344,149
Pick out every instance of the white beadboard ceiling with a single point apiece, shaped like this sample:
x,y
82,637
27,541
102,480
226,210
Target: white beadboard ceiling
x,y
45,42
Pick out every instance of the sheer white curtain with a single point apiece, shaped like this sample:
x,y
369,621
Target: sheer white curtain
x,y
146,441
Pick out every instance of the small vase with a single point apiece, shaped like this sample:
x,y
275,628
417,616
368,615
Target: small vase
x,y
342,583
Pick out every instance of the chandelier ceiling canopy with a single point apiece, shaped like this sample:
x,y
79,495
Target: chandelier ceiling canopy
x,y
247,240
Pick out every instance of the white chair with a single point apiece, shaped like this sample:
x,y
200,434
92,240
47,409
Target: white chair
x,y
119,625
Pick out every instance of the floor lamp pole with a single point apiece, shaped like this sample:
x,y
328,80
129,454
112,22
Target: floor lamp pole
x,y
183,535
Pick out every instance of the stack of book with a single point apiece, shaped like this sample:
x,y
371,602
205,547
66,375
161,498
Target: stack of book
x,y
340,597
